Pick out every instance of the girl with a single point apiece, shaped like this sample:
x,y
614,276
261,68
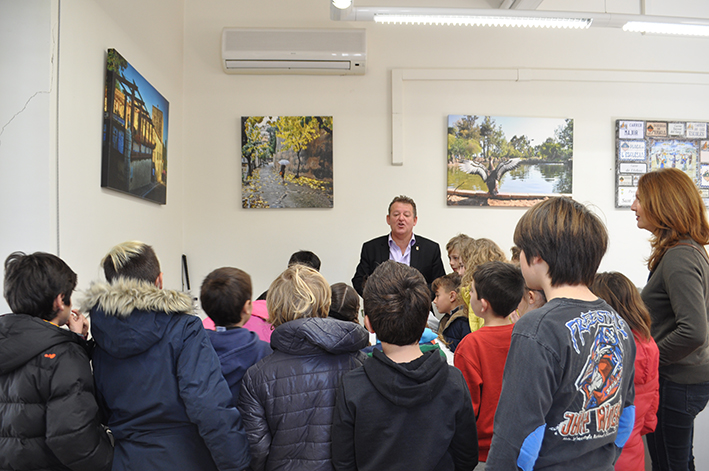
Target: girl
x,y
618,291
287,399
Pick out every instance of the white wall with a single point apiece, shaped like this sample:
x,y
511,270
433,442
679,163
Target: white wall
x,y
149,35
219,232
28,156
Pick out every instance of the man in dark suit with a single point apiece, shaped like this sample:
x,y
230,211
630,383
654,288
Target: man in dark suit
x,y
401,245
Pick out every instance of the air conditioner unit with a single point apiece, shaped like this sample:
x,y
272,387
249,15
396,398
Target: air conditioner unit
x,y
294,51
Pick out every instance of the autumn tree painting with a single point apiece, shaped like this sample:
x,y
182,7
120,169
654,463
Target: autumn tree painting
x,y
286,162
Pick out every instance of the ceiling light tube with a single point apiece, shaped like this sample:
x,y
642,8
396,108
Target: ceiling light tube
x,y
666,28
471,20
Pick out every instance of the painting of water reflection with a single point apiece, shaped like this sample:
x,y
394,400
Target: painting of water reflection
x,y
508,161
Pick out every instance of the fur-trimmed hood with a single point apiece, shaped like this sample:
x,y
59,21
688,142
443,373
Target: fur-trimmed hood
x,y
123,296
128,316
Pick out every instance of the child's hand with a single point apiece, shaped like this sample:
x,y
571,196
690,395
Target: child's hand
x,y
78,323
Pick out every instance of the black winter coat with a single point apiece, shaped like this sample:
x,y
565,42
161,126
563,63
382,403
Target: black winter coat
x,y
287,399
48,413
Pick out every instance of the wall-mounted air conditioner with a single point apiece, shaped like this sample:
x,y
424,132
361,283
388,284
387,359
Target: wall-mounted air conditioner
x,y
294,51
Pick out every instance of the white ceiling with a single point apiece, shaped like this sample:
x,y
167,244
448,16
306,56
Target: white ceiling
x,y
680,8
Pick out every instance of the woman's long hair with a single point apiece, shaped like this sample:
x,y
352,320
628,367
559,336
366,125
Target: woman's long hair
x,y
672,204
622,295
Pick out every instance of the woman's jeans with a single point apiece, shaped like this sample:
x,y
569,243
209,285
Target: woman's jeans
x,y
670,445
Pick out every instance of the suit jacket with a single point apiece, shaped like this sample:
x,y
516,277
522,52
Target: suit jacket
x,y
425,257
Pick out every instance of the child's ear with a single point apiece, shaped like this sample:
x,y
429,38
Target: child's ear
x,y
248,307
484,305
58,304
453,297
368,325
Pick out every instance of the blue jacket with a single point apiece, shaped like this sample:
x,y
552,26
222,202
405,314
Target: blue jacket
x,y
237,349
159,382
288,398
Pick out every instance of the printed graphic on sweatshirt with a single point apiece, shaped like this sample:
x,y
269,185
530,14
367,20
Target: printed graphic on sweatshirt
x,y
599,335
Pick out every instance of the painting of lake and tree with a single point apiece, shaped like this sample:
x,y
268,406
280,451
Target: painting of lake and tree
x,y
508,161
286,162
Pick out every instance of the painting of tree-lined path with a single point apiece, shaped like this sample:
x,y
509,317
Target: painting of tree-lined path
x,y
286,162
508,161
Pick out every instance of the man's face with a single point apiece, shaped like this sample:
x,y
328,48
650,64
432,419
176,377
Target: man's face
x,y
401,220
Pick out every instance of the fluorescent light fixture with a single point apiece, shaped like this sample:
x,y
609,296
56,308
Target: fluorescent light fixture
x,y
666,28
521,18
469,20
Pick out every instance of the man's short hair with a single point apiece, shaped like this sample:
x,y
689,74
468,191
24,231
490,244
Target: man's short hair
x,y
33,282
132,260
397,301
305,257
298,292
567,236
402,199
501,284
449,282
224,293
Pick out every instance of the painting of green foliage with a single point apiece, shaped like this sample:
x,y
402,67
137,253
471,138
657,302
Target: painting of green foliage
x,y
286,162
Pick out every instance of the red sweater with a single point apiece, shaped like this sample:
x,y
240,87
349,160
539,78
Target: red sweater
x,y
647,398
481,356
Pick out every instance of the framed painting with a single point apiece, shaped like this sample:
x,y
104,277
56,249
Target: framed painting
x,y
508,161
135,130
286,162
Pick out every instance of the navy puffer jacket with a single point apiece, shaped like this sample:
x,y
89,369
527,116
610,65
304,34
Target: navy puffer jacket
x,y
287,399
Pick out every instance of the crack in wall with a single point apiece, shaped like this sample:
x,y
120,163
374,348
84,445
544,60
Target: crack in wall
x,y
40,92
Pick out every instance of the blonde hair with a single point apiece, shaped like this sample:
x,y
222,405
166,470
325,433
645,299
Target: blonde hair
x,y
478,252
298,292
131,259
458,243
673,205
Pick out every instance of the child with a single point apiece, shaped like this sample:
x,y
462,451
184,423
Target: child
x,y
226,298
454,323
403,409
159,380
48,412
567,391
532,299
287,399
345,303
623,296
481,251
495,292
455,248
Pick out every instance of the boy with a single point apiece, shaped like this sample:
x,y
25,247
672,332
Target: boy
x,y
226,298
49,416
567,390
403,409
454,324
495,292
159,380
